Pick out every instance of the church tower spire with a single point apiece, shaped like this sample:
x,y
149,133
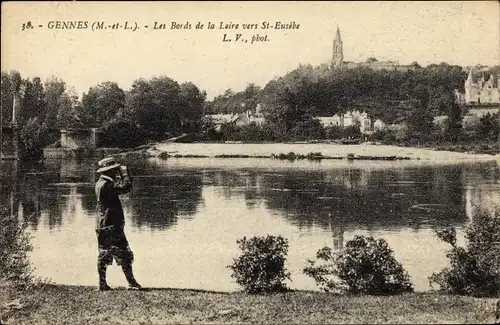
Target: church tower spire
x,y
469,79
338,52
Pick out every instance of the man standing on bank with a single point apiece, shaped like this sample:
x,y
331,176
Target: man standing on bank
x,y
110,221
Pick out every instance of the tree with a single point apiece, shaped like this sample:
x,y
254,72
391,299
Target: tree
x,y
155,105
251,96
121,133
101,104
61,104
10,82
33,138
293,103
489,127
415,65
191,103
16,80
474,269
67,114
454,123
308,129
421,120
34,101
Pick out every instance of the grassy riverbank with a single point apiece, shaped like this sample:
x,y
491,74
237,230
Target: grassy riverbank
x,y
56,304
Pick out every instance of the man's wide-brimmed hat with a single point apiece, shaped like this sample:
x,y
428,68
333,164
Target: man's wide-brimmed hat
x,y
107,164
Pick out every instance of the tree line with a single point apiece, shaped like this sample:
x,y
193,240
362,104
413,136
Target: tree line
x,y
413,97
384,94
150,110
160,107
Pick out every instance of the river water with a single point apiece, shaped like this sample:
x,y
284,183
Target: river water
x,y
184,216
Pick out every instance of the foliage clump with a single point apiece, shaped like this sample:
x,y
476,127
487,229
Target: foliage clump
x,y
364,266
261,266
15,267
474,269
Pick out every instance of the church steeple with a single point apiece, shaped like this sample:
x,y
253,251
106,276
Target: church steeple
x,y
469,80
338,52
337,35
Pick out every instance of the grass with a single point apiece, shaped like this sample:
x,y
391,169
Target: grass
x,y
56,304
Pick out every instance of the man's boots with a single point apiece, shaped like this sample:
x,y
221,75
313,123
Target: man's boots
x,y
132,283
103,285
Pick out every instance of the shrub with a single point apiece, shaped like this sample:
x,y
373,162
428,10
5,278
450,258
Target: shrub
x,y
314,156
364,266
15,267
475,269
163,155
261,267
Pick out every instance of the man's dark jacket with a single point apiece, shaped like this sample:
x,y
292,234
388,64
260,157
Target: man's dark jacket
x,y
110,219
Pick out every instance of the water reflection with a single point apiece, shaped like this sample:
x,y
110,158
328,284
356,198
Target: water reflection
x,y
157,200
51,193
415,197
354,197
197,212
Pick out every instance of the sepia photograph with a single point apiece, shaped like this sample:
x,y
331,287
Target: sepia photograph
x,y
270,162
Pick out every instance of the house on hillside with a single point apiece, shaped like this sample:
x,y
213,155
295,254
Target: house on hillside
x,y
470,119
220,119
349,118
242,119
249,117
480,90
440,121
328,121
379,125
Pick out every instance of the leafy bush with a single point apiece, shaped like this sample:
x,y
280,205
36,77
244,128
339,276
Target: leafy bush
x,y
261,267
475,269
365,266
15,267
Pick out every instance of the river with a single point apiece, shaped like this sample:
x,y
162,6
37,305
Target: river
x,y
184,216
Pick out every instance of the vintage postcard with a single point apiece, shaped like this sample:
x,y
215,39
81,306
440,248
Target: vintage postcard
x,y
250,162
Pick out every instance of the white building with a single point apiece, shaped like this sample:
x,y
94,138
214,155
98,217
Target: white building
x,y
241,119
379,125
482,91
220,119
249,117
350,118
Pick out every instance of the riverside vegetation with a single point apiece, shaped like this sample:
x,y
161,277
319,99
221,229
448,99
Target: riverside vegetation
x,y
160,108
353,280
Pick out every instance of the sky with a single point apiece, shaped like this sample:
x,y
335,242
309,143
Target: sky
x,y
462,33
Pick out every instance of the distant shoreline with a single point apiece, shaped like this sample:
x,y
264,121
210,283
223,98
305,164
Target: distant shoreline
x,y
285,151
309,151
